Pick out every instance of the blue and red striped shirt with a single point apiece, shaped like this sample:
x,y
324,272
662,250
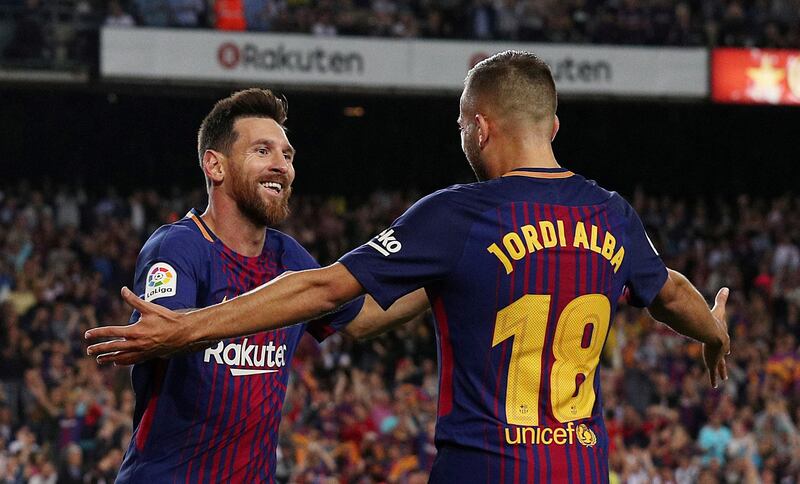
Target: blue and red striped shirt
x,y
523,273
212,416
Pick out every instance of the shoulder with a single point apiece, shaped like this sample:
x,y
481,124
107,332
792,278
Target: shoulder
x,y
179,238
589,192
282,241
294,255
461,195
619,204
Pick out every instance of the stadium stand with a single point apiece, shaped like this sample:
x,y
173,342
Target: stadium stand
x,y
63,30
365,412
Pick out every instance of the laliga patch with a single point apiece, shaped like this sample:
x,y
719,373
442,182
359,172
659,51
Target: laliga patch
x,y
162,281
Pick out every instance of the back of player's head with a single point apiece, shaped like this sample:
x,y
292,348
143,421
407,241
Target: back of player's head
x,y
514,85
217,131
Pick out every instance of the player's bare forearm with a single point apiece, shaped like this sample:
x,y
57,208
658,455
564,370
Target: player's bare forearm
x,y
288,300
282,302
680,306
372,320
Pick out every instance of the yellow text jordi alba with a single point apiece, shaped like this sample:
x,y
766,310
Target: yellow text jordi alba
x,y
546,235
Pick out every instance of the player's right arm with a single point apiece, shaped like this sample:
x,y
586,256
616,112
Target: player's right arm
x,y
373,320
680,306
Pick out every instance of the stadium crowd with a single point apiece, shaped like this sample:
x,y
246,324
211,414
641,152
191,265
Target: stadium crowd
x,y
365,412
41,26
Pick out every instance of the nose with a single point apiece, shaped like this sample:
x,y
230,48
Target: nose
x,y
280,165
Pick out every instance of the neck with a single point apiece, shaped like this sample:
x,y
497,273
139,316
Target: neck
x,y
515,153
234,229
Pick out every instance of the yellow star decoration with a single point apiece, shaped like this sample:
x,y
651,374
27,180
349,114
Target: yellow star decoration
x,y
766,80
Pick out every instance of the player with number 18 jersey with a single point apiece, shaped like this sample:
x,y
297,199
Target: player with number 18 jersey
x,y
523,273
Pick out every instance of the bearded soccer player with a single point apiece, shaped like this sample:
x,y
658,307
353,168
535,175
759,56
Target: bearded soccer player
x,y
212,415
523,270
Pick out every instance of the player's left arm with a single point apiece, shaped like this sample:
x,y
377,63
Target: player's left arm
x,y
160,332
673,300
681,306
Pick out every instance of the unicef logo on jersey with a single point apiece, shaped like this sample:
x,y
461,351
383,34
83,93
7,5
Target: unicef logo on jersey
x,y
247,359
386,243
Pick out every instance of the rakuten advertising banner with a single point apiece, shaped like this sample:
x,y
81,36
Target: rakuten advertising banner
x,y
755,76
298,60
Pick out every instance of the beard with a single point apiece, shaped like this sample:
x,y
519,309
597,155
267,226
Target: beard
x,y
472,150
253,206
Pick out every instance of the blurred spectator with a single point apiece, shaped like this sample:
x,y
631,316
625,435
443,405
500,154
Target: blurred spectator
x,y
152,13
72,469
117,17
229,15
28,41
714,439
187,13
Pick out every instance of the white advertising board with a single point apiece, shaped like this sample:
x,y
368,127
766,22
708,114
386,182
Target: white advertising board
x,y
304,60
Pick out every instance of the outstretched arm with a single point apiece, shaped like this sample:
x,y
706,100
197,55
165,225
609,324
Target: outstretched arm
x,y
680,306
372,320
285,301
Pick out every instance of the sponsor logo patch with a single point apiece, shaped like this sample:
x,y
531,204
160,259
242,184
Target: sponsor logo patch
x,y
386,243
551,435
586,436
245,359
162,281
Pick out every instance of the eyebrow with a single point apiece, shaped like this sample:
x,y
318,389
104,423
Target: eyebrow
x,y
272,143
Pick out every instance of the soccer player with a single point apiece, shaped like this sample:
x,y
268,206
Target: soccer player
x,y
523,270
212,415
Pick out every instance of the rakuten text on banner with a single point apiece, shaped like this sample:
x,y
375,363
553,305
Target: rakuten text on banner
x,y
348,62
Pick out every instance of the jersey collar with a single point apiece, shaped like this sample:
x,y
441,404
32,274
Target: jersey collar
x,y
540,172
194,215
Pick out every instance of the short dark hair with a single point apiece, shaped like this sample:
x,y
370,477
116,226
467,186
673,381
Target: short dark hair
x,y
514,83
216,131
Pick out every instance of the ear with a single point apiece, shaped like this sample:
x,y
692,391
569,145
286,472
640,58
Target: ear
x,y
556,125
483,129
213,166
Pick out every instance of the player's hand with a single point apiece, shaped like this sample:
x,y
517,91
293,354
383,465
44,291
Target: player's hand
x,y
714,354
158,332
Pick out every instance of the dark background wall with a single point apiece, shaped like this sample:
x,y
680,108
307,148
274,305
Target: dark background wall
x,y
146,137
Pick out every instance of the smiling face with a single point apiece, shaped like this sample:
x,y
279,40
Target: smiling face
x,y
261,170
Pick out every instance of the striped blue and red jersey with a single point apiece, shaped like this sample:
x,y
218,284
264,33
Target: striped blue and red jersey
x,y
524,273
212,416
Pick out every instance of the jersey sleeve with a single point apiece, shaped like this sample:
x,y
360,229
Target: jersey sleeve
x,y
167,270
296,258
647,273
423,245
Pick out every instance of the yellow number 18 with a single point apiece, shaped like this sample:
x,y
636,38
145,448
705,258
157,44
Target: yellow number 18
x,y
525,319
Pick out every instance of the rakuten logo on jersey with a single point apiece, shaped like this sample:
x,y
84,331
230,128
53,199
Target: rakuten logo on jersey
x,y
386,243
248,359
